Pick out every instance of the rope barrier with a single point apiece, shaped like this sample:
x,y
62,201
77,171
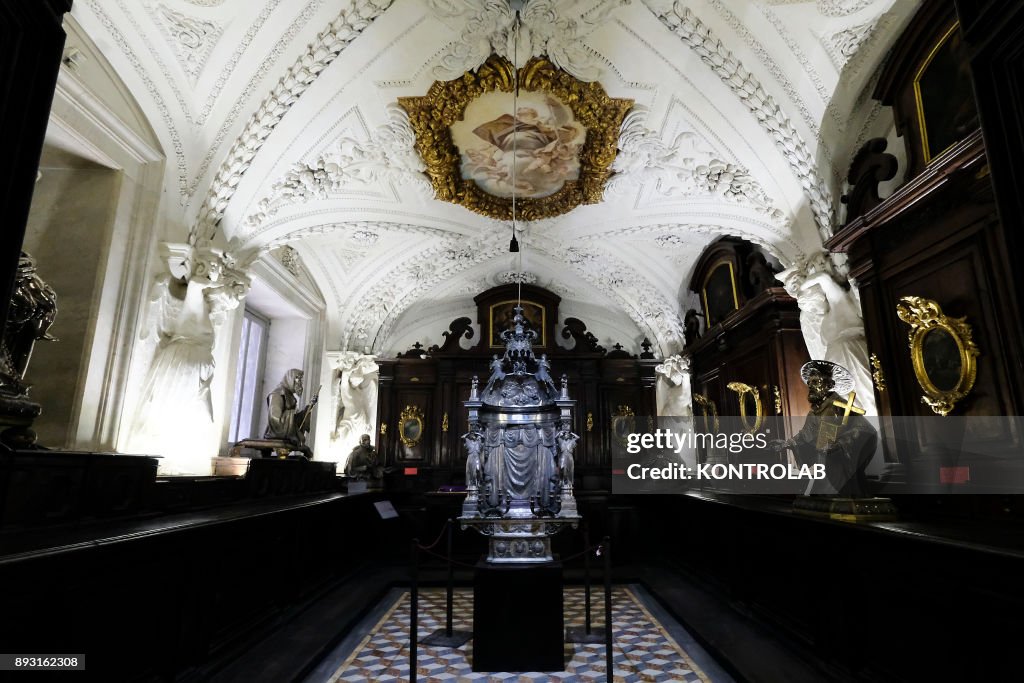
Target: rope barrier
x,y
438,539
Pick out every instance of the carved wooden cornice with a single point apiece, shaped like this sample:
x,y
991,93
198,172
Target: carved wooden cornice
x,y
967,157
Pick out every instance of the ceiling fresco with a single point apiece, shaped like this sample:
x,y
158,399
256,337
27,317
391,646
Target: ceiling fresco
x,y
557,148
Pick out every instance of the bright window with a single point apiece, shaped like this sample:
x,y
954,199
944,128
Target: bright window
x,y
252,354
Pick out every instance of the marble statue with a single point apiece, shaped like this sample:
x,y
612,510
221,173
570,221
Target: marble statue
x,y
363,462
285,420
831,321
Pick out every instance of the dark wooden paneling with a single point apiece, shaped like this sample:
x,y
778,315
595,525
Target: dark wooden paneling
x,y
32,39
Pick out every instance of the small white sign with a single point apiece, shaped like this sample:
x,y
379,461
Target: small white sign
x,y
385,509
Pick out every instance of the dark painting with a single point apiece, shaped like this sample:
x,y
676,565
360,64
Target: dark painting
x,y
501,320
944,96
719,294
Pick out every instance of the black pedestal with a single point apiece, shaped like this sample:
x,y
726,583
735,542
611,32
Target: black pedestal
x,y
517,618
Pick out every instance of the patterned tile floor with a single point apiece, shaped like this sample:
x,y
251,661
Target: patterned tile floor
x,y
643,649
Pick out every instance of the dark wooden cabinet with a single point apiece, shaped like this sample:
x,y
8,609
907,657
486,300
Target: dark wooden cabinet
x,y
438,380
758,344
939,237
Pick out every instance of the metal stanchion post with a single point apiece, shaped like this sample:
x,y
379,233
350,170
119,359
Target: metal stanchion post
x,y
448,636
413,607
586,574
607,543
451,584
586,634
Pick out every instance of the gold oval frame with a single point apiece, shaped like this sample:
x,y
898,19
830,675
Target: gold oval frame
x,y
743,390
410,414
432,115
925,316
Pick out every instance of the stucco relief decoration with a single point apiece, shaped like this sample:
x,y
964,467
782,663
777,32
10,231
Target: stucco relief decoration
x,y
387,155
547,27
686,166
843,45
354,396
564,134
345,28
192,39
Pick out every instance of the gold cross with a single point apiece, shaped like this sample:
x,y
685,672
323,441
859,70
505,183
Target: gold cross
x,y
848,407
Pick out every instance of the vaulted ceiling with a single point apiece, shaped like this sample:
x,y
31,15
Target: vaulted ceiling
x,y
280,126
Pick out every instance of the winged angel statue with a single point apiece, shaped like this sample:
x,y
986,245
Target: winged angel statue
x,y
186,308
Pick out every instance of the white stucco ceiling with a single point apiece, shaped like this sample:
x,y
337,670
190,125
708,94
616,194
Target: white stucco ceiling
x,y
244,94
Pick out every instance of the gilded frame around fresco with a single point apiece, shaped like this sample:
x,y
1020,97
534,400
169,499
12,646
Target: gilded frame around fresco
x,y
925,317
433,114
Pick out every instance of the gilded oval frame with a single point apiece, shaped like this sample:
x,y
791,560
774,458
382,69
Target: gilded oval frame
x,y
411,415
924,317
432,115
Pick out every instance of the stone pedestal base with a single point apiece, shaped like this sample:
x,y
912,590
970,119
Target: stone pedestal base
x,y
847,509
517,618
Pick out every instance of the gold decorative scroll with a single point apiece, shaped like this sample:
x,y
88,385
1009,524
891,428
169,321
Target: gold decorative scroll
x,y
877,374
433,114
926,318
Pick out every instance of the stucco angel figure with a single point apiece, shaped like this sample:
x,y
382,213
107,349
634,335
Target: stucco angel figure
x,y
673,390
355,392
842,332
186,305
